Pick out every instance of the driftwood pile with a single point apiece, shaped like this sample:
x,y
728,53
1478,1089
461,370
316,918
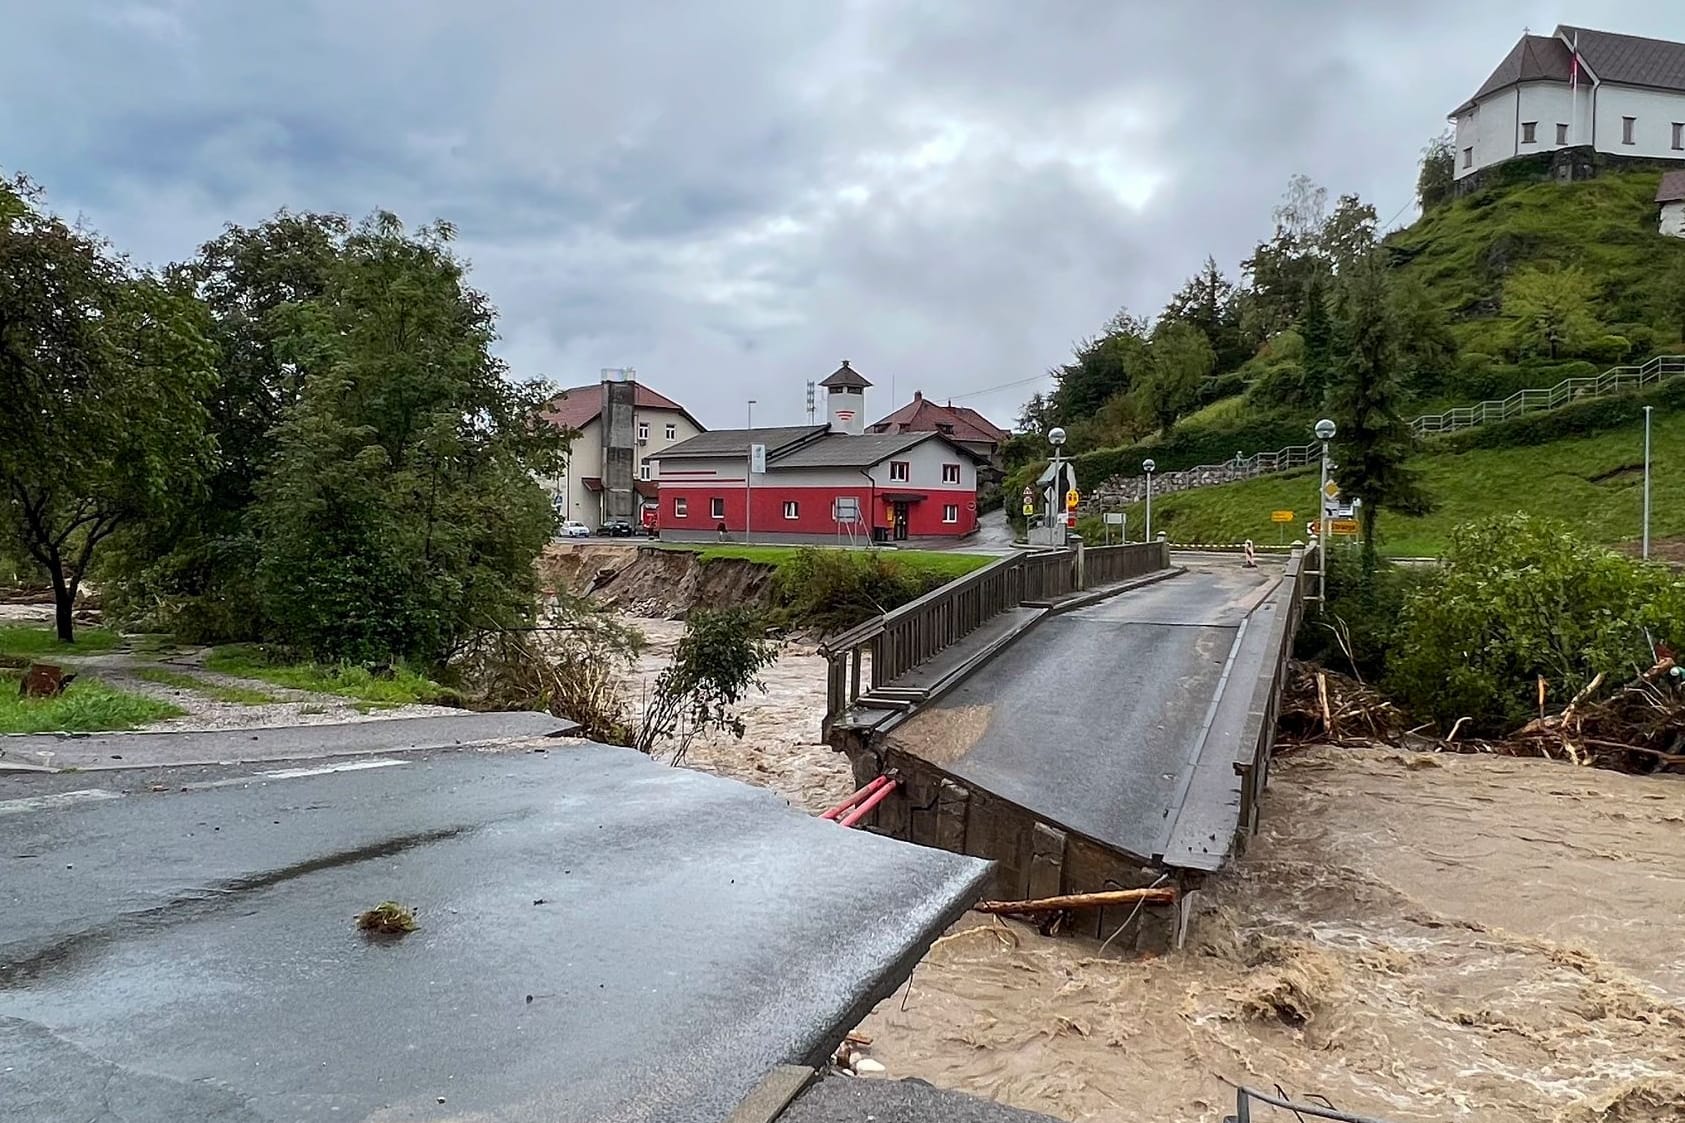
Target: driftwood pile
x,y
1638,727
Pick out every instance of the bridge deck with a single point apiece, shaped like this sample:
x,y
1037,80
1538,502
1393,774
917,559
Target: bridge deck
x,y
1094,720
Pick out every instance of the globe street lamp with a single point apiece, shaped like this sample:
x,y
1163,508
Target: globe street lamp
x,y
1056,438
1324,433
1148,467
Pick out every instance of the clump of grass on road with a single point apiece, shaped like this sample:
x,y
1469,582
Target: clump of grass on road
x,y
388,918
401,687
86,706
235,695
31,643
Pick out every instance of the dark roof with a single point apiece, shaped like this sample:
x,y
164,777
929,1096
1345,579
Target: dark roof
x,y
839,450
736,442
1629,59
845,375
1672,188
1536,58
578,406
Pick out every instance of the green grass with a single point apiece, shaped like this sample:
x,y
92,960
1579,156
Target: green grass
x,y
86,706
237,695
30,643
1594,484
940,563
249,661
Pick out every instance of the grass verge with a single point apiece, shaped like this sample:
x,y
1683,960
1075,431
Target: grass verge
x,y
403,686
31,642
86,706
940,563
237,695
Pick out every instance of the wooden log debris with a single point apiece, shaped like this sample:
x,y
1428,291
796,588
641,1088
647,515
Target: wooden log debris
x,y
1165,895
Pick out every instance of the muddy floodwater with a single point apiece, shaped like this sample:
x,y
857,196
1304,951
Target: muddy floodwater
x,y
1415,937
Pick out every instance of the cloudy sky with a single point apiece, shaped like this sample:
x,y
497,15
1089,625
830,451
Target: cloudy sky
x,y
732,196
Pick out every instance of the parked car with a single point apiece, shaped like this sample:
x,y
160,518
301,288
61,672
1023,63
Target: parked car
x,y
573,528
615,528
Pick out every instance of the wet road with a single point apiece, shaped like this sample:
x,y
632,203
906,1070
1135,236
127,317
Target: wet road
x,y
602,938
1094,719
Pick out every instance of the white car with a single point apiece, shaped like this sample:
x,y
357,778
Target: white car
x,y
573,528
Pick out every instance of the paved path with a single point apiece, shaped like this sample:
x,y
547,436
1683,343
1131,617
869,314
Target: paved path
x,y
385,735
1094,719
602,938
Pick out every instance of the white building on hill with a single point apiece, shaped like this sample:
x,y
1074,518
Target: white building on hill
x,y
1619,95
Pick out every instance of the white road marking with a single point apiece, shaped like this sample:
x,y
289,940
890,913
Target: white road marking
x,y
348,766
57,799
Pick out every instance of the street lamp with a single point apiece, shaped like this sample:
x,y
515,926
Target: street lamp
x,y
1056,438
1149,467
1324,433
1645,552
748,468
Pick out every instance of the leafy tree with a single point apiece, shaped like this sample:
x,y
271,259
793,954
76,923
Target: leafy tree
x,y
1349,234
104,368
1181,358
714,666
1364,398
1550,310
1318,332
1520,598
1438,173
1427,347
1102,368
399,514
1208,301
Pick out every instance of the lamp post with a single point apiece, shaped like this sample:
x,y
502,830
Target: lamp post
x,y
1645,552
748,468
1056,438
1324,433
1149,467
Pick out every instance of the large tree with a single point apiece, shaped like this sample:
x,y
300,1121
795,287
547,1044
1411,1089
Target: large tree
x,y
1365,398
1181,358
105,369
1438,174
400,515
1101,369
1550,310
1209,301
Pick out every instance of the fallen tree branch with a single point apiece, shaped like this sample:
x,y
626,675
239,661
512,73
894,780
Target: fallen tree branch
x,y
1164,896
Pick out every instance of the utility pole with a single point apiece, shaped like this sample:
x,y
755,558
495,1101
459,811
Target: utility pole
x,y
1149,467
1324,433
1645,552
748,468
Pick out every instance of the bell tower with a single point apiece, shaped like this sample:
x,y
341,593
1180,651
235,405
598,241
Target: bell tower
x,y
845,400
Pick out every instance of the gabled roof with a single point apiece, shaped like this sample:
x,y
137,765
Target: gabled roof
x,y
1672,188
736,442
578,406
839,450
1630,60
845,375
1536,58
923,415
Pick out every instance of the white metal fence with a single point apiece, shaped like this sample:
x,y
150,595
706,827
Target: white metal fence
x,y
1617,380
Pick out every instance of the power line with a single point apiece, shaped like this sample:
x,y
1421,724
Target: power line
x,y
992,389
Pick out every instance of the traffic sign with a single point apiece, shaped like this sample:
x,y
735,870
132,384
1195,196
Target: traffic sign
x,y
1343,526
1072,499
1281,516
1331,490
1029,508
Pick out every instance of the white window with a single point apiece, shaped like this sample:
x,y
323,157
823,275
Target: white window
x,y
899,470
950,512
790,509
1678,135
1528,131
643,470
1561,133
672,430
679,511
643,430
950,473
1468,157
716,509
1627,126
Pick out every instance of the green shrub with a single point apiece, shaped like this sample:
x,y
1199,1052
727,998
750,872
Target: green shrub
x,y
1358,631
1520,598
835,589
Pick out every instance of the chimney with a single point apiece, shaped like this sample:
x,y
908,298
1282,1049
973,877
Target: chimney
x,y
918,395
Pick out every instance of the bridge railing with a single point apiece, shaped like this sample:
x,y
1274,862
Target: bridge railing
x,y
1261,724
888,646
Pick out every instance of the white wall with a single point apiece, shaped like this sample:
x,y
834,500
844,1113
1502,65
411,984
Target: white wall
x,y
585,458
1550,104
1655,110
1673,220
1489,129
924,467
658,420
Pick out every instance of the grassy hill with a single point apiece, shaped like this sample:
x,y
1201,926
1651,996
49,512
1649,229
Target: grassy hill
x,y
1581,466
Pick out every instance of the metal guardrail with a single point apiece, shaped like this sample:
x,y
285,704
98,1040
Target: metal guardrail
x,y
1616,380
1244,1098
903,638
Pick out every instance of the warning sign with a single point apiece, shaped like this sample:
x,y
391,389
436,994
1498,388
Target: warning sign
x,y
1029,508
1072,499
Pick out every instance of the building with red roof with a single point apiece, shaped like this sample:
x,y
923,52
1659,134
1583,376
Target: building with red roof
x,y
962,425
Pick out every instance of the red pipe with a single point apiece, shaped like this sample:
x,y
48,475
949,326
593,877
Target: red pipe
x,y
865,807
856,797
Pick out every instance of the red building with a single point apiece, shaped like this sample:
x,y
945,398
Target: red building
x,y
820,485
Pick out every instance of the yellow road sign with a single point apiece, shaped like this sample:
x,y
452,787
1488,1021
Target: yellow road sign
x,y
1331,489
1072,499
1281,516
1029,508
1342,526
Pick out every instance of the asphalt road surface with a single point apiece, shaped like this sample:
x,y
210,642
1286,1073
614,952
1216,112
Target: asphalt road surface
x,y
601,938
1093,720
